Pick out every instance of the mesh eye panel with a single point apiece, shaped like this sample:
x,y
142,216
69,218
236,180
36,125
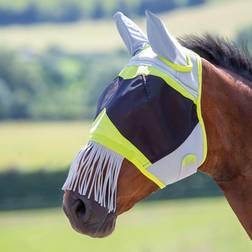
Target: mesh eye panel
x,y
150,114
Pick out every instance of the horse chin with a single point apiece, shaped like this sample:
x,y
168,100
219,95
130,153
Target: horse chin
x,y
99,230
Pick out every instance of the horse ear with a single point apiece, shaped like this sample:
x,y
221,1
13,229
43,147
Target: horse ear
x,y
162,42
133,37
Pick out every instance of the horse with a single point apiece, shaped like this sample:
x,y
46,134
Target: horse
x,y
109,176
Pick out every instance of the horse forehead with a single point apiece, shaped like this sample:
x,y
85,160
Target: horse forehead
x,y
148,59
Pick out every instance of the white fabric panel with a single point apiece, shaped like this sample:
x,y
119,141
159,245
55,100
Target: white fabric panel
x,y
133,37
162,42
188,80
169,169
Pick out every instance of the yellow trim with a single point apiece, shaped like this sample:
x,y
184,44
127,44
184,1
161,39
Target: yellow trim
x,y
179,68
145,47
105,133
130,72
198,105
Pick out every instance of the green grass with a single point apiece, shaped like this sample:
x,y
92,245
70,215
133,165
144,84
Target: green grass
x,y
207,225
33,145
225,18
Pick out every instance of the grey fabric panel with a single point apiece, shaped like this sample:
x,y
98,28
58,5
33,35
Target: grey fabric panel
x,y
162,42
169,169
133,37
188,80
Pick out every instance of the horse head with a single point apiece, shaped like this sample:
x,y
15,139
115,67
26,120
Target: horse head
x,y
148,130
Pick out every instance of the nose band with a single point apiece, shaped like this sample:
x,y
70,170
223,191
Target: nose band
x,y
151,115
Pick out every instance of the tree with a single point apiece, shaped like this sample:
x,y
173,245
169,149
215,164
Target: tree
x,y
157,6
195,2
244,38
98,11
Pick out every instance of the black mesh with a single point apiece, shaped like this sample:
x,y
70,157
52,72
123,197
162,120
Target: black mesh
x,y
150,114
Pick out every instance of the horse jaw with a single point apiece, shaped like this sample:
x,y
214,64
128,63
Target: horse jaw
x,y
130,193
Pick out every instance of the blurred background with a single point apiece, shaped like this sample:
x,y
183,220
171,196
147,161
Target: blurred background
x,y
52,54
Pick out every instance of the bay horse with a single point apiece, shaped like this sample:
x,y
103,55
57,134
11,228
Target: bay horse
x,y
103,184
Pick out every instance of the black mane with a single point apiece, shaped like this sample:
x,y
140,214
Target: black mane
x,y
221,52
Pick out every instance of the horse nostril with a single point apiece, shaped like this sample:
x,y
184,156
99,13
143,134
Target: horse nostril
x,y
80,209
87,216
76,207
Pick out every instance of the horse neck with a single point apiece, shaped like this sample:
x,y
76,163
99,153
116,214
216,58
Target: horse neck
x,y
227,113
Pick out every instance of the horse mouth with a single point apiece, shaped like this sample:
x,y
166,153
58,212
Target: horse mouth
x,y
87,216
106,229
97,230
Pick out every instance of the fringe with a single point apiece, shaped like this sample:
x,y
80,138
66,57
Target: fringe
x,y
94,173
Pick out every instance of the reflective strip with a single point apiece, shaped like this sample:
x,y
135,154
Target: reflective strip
x,y
131,72
199,112
179,68
105,133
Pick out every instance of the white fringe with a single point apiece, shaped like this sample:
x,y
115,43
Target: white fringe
x,y
94,173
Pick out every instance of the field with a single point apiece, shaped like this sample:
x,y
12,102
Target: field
x,y
87,4
51,144
191,225
95,36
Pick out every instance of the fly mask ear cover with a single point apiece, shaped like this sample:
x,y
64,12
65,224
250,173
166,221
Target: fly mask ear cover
x,y
151,113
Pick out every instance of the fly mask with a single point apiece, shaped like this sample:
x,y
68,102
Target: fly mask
x,y
150,114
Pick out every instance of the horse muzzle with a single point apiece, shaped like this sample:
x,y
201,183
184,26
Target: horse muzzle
x,y
87,216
